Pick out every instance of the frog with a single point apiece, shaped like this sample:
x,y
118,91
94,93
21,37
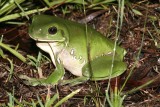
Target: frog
x,y
77,48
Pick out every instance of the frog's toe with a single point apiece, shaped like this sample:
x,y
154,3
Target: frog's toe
x,y
32,81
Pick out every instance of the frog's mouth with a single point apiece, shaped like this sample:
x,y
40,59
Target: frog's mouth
x,y
48,41
48,44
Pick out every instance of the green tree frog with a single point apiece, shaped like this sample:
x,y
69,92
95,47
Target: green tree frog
x,y
78,48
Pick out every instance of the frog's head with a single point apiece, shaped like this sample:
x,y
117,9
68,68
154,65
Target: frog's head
x,y
46,28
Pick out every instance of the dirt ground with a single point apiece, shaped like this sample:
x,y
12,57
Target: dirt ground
x,y
140,37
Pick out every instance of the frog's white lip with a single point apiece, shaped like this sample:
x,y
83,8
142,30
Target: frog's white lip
x,y
40,40
45,40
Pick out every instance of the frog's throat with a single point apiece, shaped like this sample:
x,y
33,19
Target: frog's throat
x,y
46,46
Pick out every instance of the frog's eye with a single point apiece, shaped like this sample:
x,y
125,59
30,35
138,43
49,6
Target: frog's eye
x,y
52,30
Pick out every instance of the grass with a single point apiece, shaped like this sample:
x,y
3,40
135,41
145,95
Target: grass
x,y
14,52
49,101
7,7
115,99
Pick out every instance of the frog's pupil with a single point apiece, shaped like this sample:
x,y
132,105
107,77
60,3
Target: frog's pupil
x,y
52,30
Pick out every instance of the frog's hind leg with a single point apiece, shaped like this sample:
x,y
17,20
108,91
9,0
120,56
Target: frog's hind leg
x,y
102,68
76,81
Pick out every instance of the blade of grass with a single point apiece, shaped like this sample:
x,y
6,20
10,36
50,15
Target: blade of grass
x,y
17,15
10,5
14,52
67,97
16,23
50,4
11,68
115,99
137,57
118,29
51,101
98,2
40,102
140,87
21,10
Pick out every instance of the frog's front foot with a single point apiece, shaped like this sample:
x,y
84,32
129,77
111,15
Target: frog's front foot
x,y
53,79
33,81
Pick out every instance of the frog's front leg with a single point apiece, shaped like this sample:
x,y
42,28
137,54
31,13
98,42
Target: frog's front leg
x,y
53,79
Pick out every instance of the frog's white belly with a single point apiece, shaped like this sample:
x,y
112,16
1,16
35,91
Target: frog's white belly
x,y
69,61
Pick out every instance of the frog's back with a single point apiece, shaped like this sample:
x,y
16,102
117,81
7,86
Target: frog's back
x,y
101,45
80,34
97,43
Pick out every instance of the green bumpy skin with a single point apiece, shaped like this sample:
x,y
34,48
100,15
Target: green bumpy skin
x,y
82,50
